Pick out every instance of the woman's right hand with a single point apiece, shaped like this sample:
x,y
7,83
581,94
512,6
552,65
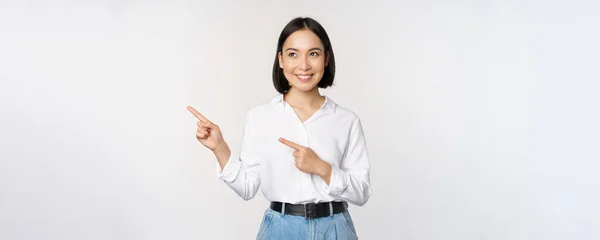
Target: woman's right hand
x,y
207,133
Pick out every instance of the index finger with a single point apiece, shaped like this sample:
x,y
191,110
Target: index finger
x,y
197,114
291,144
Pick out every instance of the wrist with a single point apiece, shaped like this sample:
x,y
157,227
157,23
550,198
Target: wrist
x,y
325,173
221,149
326,170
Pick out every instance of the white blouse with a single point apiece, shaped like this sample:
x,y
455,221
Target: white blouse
x,y
334,133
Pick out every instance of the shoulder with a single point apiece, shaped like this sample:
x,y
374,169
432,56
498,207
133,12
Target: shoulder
x,y
348,120
343,113
264,108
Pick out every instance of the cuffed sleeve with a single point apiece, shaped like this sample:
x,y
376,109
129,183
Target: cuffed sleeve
x,y
231,169
337,184
350,181
242,171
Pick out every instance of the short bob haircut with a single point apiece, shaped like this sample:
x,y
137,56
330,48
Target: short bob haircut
x,y
279,81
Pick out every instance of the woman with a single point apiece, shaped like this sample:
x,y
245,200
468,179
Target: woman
x,y
307,153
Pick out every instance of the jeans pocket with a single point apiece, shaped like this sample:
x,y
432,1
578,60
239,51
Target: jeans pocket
x,y
349,223
264,226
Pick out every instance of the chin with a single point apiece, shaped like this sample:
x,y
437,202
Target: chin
x,y
305,87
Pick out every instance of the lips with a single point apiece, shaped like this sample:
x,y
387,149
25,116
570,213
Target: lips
x,y
304,77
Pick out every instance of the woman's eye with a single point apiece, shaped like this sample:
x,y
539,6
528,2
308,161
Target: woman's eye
x,y
314,54
292,54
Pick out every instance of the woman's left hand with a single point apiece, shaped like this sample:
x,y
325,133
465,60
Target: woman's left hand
x,y
307,161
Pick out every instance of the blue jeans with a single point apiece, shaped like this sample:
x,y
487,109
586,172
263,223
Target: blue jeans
x,y
278,226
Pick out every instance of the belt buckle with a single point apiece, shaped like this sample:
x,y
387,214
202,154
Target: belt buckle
x,y
305,212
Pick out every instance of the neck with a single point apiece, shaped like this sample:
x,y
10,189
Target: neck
x,y
302,99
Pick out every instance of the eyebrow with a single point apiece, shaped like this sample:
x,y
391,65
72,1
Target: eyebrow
x,y
293,49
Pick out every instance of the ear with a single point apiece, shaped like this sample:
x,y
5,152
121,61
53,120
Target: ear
x,y
280,60
327,59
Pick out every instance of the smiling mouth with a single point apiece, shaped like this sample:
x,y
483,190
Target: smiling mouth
x,y
304,77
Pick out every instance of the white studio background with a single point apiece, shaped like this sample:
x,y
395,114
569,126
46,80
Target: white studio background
x,y
481,117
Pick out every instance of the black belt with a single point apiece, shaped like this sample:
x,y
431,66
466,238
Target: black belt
x,y
310,210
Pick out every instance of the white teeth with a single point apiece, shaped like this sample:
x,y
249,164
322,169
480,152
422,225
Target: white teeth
x,y
304,77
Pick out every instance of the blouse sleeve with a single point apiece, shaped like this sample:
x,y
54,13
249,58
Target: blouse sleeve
x,y
350,181
242,171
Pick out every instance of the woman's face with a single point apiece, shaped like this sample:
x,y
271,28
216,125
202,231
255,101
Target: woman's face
x,y
303,60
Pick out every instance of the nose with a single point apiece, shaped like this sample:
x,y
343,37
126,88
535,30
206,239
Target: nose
x,y
305,64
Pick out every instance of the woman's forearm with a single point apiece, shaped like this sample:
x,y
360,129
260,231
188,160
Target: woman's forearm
x,y
223,153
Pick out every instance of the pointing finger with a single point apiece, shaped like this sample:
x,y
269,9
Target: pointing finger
x,y
290,144
197,114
